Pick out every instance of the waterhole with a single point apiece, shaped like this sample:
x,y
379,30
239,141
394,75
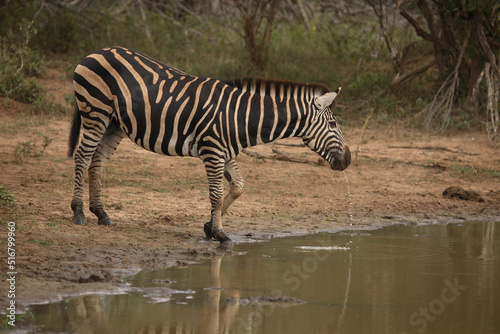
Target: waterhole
x,y
441,278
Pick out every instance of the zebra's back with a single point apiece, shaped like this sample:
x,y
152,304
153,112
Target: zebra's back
x,y
159,107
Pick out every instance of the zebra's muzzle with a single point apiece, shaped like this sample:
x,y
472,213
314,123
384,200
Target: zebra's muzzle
x,y
341,161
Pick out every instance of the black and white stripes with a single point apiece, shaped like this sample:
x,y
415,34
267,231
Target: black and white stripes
x,y
123,92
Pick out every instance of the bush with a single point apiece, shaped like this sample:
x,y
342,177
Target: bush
x,y
369,82
18,65
61,34
6,198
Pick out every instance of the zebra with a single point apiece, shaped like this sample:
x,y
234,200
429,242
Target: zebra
x,y
122,92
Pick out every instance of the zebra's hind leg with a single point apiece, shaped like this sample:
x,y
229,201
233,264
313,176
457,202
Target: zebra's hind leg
x,y
92,135
107,146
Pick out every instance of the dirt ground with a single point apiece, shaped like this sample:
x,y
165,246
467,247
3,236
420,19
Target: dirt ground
x,y
159,204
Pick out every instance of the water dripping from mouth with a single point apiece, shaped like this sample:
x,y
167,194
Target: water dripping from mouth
x,y
349,197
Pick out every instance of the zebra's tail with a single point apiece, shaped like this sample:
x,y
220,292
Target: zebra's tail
x,y
74,135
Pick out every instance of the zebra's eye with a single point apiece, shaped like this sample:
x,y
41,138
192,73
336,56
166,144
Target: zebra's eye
x,y
332,124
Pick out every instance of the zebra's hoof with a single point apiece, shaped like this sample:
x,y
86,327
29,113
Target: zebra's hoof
x,y
208,230
105,221
220,236
78,220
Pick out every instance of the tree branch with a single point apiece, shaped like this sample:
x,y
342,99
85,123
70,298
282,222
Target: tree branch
x,y
399,79
418,29
481,37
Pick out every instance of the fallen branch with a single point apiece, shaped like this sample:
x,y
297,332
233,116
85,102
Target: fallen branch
x,y
276,155
290,145
435,165
287,157
437,148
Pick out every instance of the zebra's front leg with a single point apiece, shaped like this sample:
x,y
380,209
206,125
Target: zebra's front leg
x,y
215,173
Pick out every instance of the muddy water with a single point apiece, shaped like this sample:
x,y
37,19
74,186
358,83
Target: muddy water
x,y
398,279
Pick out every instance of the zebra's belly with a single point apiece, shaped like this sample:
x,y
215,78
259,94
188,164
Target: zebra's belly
x,y
181,146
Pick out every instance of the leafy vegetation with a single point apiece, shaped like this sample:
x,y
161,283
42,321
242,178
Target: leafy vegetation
x,y
392,56
459,170
41,242
22,319
30,148
18,66
6,198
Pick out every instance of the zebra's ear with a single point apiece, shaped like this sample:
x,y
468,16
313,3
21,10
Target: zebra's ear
x,y
326,100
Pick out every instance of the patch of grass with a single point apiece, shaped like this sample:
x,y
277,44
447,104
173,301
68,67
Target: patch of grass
x,y
51,224
41,242
6,198
457,169
285,216
70,99
21,123
148,173
187,182
30,148
26,318
164,190
290,194
24,150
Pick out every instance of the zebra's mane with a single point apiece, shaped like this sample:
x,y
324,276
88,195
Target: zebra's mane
x,y
249,83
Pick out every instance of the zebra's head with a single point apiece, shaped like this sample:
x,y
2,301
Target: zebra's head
x,y
324,136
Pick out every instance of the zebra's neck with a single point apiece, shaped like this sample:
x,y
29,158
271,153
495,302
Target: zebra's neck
x,y
273,110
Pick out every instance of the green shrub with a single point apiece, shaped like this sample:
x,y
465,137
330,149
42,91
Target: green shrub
x,y
369,83
18,65
61,34
6,198
30,148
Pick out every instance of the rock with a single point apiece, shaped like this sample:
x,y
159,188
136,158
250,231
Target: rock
x,y
461,193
